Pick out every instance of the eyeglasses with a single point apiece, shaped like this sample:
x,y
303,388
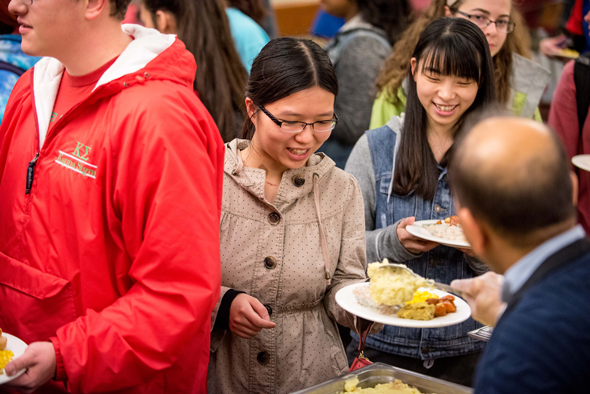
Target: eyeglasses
x,y
321,126
503,26
27,2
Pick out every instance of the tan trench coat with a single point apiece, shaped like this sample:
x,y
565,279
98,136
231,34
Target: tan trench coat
x,y
304,349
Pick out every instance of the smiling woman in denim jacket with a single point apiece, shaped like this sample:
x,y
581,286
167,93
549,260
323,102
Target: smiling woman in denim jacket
x,y
402,170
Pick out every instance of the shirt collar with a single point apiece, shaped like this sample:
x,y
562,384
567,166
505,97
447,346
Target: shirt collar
x,y
517,275
354,23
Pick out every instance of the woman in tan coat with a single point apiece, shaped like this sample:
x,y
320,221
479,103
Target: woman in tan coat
x,y
292,232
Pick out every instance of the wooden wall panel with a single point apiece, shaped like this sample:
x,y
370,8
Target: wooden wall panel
x,y
295,19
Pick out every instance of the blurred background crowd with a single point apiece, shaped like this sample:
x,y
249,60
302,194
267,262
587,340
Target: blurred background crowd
x,y
548,28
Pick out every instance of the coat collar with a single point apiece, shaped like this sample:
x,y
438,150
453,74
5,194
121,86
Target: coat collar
x,y
146,47
557,260
252,179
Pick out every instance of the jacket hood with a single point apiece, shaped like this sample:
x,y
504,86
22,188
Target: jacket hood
x,y
252,179
150,56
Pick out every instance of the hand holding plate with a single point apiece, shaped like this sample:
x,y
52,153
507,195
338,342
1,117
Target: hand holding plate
x,y
39,361
412,243
483,294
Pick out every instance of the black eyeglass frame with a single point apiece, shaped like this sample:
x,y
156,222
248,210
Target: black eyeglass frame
x,y
280,123
509,25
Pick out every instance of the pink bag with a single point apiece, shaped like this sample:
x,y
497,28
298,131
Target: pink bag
x,y
361,361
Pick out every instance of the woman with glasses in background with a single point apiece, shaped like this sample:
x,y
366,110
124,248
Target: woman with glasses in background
x,y
520,82
292,232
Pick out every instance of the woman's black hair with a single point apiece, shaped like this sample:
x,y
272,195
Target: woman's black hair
x,y
393,16
286,66
451,46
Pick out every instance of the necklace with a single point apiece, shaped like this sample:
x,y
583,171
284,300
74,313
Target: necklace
x,y
272,184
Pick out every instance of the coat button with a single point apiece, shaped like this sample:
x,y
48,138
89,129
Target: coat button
x,y
425,350
274,218
268,309
270,262
263,357
298,180
437,208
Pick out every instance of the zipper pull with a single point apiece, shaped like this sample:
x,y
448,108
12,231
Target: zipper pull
x,y
31,173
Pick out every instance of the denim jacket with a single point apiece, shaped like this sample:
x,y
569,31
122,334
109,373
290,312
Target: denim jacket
x,y
442,263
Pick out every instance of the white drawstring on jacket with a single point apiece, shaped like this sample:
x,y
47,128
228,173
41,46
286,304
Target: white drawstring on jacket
x,y
395,150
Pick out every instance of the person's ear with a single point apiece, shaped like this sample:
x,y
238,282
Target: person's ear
x,y
96,7
574,178
475,233
413,66
448,12
165,22
250,107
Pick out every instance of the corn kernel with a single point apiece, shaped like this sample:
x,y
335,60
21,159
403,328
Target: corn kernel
x,y
421,296
5,357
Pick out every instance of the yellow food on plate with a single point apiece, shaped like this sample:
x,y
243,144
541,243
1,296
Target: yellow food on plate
x,y
569,53
422,296
417,311
5,355
396,387
392,287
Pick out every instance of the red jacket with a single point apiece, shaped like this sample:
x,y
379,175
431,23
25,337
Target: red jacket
x,y
114,253
563,117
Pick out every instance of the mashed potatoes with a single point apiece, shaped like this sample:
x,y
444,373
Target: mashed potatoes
x,y
396,387
350,385
392,287
363,297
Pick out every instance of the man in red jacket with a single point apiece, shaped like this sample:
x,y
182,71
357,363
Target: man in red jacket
x,y
110,196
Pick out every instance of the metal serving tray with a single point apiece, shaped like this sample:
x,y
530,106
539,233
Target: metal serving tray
x,y
379,373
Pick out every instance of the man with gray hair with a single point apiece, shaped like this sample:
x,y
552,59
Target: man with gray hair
x,y
514,195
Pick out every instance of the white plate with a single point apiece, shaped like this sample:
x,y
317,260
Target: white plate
x,y
567,54
346,299
18,348
582,161
417,230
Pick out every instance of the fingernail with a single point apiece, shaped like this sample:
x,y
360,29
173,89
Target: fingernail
x,y
9,369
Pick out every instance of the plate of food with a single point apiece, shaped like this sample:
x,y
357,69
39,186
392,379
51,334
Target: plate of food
x,y
402,299
567,53
447,232
348,298
582,161
11,347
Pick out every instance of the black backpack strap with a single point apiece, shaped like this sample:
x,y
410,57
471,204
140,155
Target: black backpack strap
x,y
582,82
11,68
